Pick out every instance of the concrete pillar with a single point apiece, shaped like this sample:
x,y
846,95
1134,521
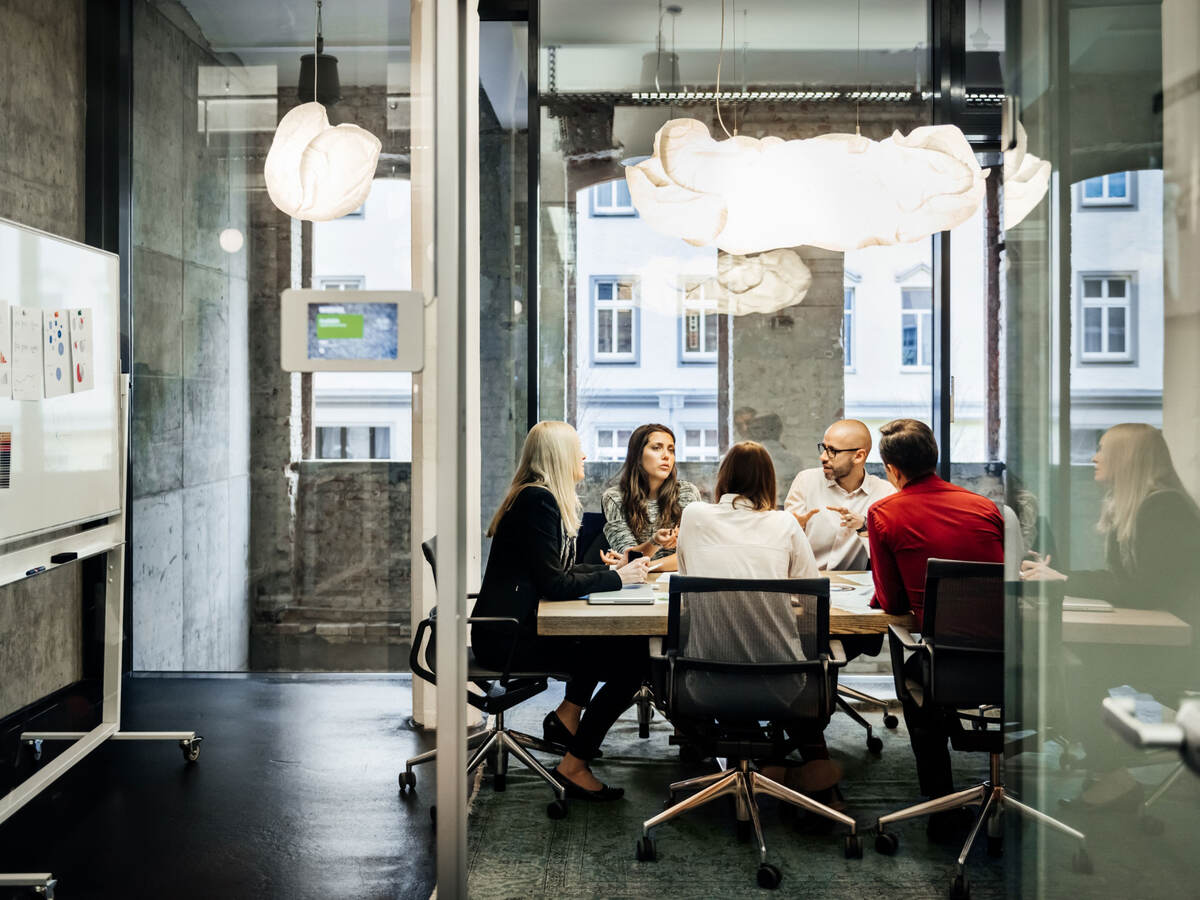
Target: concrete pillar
x,y
1181,236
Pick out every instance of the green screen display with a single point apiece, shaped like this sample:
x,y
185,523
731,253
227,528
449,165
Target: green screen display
x,y
339,325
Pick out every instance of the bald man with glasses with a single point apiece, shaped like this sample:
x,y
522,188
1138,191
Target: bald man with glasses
x,y
831,502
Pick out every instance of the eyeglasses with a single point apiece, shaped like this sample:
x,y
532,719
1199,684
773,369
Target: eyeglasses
x,y
834,451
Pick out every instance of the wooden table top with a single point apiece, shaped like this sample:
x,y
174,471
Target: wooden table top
x,y
577,617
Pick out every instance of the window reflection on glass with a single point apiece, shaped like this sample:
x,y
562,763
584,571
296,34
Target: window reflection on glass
x,y
1108,190
614,320
917,328
1105,317
612,199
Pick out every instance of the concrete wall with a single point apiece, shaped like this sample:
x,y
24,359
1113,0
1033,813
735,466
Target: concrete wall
x,y
189,444
41,185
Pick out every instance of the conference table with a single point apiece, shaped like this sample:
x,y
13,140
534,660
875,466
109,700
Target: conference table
x,y
850,614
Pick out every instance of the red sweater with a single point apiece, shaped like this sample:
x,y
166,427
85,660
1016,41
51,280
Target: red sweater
x,y
928,518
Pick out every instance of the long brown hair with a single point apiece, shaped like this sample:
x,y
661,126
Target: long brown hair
x,y
747,471
635,486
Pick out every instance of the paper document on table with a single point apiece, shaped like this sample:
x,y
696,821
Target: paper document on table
x,y
634,594
1086,604
852,591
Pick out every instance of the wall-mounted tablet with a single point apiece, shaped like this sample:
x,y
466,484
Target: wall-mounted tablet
x,y
352,331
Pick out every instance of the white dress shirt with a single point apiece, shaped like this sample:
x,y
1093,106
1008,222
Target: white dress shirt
x,y
835,546
724,540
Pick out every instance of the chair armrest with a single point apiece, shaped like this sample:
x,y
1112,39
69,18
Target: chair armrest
x,y
414,654
473,596
837,654
904,636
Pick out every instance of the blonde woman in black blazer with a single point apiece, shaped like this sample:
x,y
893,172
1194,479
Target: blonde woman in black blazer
x,y
532,558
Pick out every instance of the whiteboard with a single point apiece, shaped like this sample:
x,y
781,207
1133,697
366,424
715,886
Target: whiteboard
x,y
65,458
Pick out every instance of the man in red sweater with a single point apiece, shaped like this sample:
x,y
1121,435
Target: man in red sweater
x,y
926,518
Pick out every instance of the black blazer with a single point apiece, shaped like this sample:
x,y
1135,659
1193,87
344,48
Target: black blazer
x,y
527,563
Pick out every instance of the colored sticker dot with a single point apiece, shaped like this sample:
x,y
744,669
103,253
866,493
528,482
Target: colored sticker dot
x,y
60,348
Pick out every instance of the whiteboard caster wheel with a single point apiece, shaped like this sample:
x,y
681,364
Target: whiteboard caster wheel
x,y
191,749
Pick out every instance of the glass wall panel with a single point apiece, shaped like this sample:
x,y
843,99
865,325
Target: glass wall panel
x,y
1102,440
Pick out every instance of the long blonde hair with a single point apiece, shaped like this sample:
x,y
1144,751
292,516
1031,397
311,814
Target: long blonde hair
x,y
1139,464
548,459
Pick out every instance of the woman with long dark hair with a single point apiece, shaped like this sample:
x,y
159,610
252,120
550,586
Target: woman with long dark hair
x,y
643,510
532,558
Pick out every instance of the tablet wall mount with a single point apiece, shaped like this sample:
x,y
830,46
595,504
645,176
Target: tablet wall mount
x,y
352,331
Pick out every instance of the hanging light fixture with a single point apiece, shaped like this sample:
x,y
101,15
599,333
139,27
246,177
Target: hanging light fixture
x,y
1026,180
835,191
315,171
230,238
326,74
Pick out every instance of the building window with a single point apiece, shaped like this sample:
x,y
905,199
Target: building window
x,y
1114,189
698,323
848,328
612,199
1105,313
699,445
614,320
342,283
354,442
611,443
916,328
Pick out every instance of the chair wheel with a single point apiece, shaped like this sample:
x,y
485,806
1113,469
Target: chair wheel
x,y
874,744
743,831
995,846
960,888
499,781
557,809
433,816
769,876
890,721
1150,825
646,851
886,843
408,781
854,846
1081,863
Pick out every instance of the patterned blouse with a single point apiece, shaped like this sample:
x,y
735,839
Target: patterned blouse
x,y
616,529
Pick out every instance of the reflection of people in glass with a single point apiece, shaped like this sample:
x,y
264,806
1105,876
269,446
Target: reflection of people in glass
x,y
1151,528
768,431
642,511
742,417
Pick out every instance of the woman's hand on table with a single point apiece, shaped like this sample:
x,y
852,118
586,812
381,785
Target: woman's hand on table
x,y
666,537
613,559
1038,569
634,572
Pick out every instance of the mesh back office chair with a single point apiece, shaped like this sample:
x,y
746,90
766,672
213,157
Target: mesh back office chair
x,y
962,652
502,689
741,653
1183,736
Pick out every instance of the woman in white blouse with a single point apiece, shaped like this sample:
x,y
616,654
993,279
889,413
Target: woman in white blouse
x,y
742,535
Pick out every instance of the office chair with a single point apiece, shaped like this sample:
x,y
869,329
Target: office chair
x,y
502,689
962,651
1182,736
739,653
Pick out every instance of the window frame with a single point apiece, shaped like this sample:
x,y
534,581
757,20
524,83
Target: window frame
x,y
849,308
615,358
1129,304
686,447
924,321
323,282
372,428
619,450
706,307
1104,201
601,210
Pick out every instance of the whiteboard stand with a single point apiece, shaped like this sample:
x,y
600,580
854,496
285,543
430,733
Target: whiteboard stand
x,y
108,539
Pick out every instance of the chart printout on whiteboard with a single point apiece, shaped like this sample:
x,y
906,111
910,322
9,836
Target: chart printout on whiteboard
x,y
26,353
56,352
81,350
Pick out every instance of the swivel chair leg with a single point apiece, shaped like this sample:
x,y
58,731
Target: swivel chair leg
x,y
874,744
644,699
1148,823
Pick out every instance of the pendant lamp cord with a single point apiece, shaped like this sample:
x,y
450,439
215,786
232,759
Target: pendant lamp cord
x,y
720,58
858,73
658,56
317,48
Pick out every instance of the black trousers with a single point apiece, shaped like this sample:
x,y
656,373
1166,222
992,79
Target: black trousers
x,y
620,663
929,731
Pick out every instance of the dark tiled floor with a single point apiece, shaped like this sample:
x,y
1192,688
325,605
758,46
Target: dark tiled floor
x,y
294,796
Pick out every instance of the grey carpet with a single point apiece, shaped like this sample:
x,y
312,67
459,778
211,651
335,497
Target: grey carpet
x,y
516,851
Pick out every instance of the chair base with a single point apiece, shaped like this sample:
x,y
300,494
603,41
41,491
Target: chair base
x,y
994,799
502,741
746,785
846,694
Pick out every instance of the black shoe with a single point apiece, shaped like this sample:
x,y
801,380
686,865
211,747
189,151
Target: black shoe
x,y
555,732
575,792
